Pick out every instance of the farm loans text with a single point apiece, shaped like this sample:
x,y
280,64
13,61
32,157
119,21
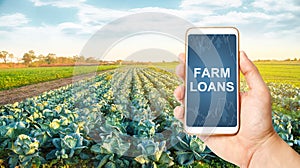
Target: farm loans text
x,y
212,86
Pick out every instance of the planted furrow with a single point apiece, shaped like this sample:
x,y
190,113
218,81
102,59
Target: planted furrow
x,y
121,118
164,91
170,78
121,85
159,106
167,92
157,101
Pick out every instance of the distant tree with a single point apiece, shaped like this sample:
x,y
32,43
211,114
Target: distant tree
x,y
3,55
11,56
29,57
41,58
91,60
50,58
75,57
79,58
119,62
295,59
19,60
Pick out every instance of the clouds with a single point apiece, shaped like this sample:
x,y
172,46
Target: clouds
x,y
201,12
88,14
284,17
268,19
277,6
42,39
210,3
13,20
58,3
235,18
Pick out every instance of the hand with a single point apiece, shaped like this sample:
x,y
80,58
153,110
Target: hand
x,y
256,132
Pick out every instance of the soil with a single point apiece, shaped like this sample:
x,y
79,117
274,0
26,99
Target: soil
x,y
21,93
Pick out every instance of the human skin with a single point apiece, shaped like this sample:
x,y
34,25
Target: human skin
x,y
256,144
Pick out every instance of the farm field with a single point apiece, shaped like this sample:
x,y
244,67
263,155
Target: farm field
x,y
16,77
280,72
287,72
272,71
121,118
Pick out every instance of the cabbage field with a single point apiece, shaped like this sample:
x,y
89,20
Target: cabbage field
x,y
120,118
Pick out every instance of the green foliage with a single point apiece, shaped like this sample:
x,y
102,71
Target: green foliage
x,y
188,149
12,78
154,154
24,145
288,129
280,72
25,152
286,99
121,118
67,146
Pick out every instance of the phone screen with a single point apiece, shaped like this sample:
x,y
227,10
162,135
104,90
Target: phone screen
x,y
212,80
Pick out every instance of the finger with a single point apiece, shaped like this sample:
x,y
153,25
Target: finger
x,y
182,58
179,113
251,73
179,93
242,94
180,71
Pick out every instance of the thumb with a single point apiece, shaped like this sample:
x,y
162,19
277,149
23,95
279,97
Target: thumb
x,y
252,75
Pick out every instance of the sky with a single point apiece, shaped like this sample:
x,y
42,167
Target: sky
x,y
269,29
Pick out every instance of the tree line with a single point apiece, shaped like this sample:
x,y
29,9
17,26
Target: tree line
x,y
4,55
30,58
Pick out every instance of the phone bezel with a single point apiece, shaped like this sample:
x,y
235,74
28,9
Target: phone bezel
x,y
214,30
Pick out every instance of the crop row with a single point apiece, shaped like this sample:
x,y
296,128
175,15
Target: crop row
x,y
121,118
114,119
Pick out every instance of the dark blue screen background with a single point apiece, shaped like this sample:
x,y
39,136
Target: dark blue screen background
x,y
200,49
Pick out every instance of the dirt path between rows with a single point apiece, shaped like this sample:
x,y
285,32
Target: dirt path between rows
x,y
21,93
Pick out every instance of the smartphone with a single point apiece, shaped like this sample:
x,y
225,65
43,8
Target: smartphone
x,y
212,80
